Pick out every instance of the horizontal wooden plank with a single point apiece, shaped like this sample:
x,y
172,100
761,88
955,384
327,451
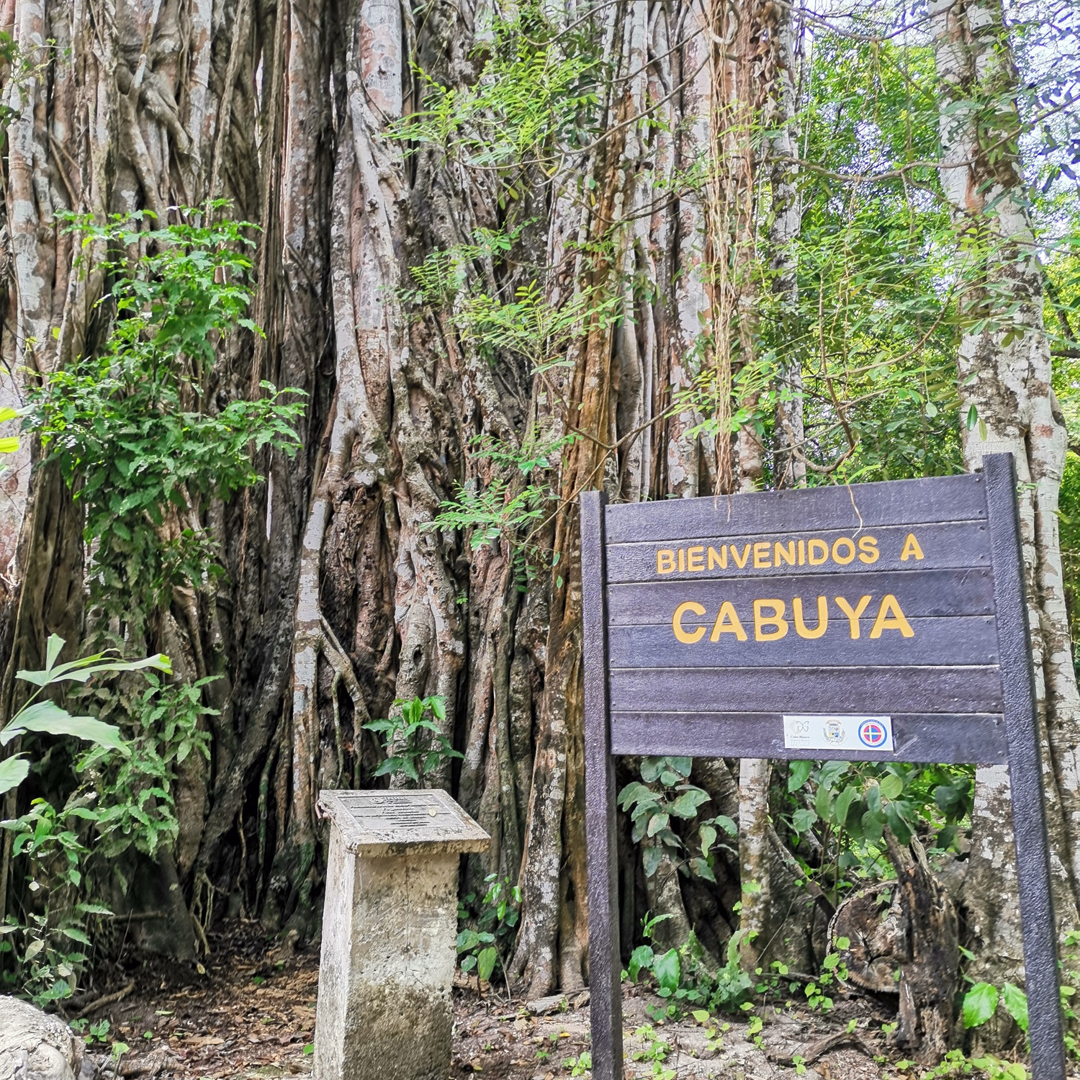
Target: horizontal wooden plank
x,y
815,690
955,545
856,506
921,594
936,642
977,739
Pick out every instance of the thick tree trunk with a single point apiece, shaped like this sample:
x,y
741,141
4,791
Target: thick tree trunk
x,y
339,597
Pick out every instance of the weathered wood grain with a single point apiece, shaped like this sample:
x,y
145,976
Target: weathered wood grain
x,y
924,594
937,643
809,689
944,546
955,738
856,506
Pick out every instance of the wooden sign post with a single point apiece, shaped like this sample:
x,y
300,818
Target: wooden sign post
x,y
877,622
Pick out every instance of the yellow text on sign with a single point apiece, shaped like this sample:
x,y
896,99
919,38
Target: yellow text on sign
x,y
777,554
770,620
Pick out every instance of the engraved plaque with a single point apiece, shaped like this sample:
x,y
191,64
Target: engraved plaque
x,y
400,822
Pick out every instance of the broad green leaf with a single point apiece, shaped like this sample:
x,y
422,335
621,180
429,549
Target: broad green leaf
x,y
485,963
9,445
86,667
667,970
686,805
891,786
726,823
798,774
708,838
700,868
1015,1001
651,857
8,413
52,650
651,768
843,805
13,771
641,957
980,1002
50,719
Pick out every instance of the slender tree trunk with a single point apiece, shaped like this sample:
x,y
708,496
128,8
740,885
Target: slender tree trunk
x,y
1005,392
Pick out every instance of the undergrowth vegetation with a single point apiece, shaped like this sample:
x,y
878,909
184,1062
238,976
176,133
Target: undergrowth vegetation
x,y
148,442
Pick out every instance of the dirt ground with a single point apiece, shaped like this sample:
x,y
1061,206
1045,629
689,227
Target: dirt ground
x,y
248,1011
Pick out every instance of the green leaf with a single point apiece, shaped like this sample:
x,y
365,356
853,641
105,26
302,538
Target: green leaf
x,y
891,786
485,963
53,648
727,824
49,718
651,768
700,868
641,957
667,970
656,823
798,774
1015,1001
9,444
13,771
651,857
686,805
88,666
842,805
708,838
980,1002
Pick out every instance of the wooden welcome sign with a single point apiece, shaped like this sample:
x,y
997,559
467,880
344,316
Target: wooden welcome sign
x,y
876,622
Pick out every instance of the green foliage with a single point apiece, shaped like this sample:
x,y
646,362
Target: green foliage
x,y
483,944
122,800
44,954
136,804
958,1064
49,718
537,97
847,806
683,978
580,1065
412,739
980,1003
134,429
663,794
655,1052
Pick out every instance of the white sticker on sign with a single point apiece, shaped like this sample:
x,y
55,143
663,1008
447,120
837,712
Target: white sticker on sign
x,y
838,733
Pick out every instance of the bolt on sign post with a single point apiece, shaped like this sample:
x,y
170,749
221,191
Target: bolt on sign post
x,y
876,622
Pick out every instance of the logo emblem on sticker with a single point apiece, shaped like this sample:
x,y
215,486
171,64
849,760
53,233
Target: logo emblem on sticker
x,y
872,733
834,731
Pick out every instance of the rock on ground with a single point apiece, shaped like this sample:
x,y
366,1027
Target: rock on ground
x,y
34,1046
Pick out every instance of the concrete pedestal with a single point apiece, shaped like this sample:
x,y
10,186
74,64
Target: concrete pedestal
x,y
389,943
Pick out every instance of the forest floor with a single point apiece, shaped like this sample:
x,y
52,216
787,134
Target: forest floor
x,y
248,1011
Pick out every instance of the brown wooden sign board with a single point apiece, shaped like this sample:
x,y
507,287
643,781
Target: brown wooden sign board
x,y
874,622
